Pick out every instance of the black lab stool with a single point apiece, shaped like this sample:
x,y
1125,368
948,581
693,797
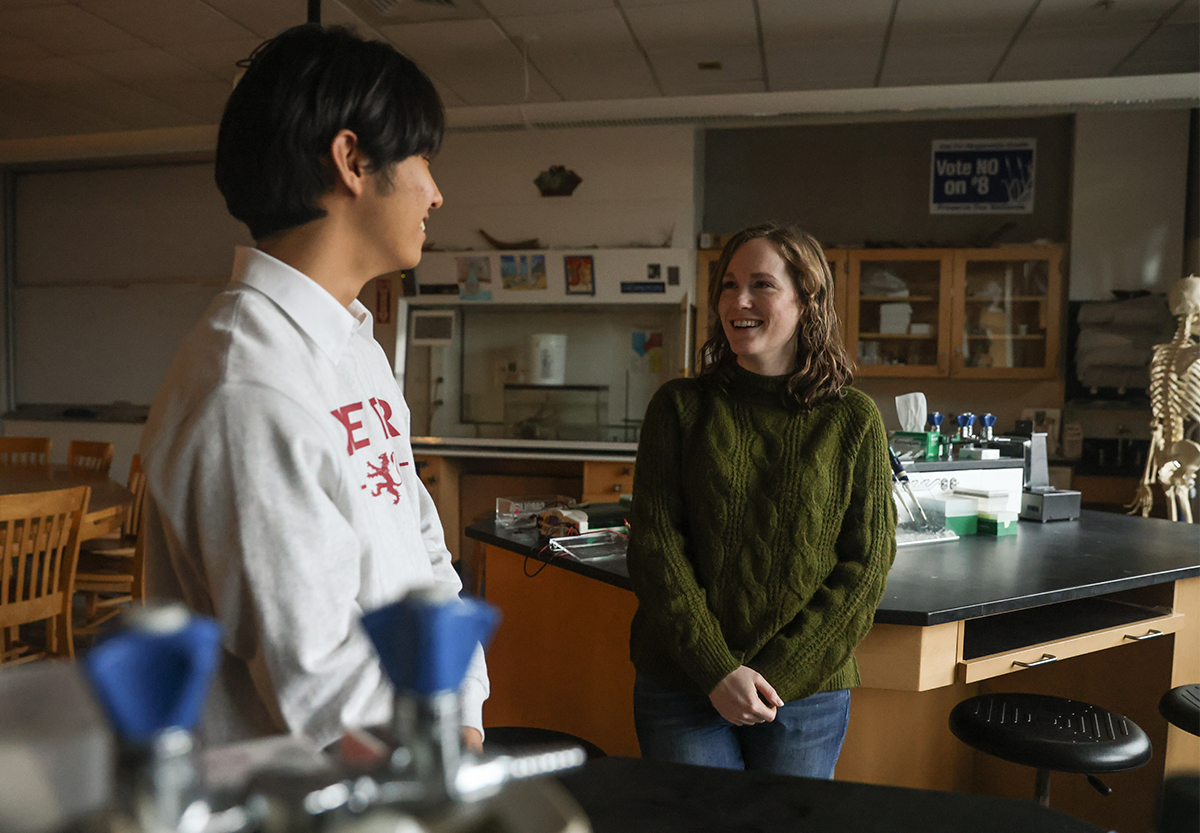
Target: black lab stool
x,y
1179,811
1051,733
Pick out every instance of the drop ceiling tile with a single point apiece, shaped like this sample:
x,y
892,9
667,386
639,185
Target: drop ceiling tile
x,y
488,83
66,81
66,30
163,22
1083,52
590,31
14,48
592,76
942,59
150,71
25,114
452,40
335,14
1188,12
824,64
784,20
916,18
512,8
1173,45
472,58
702,24
217,58
741,69
25,4
1062,14
265,18
204,100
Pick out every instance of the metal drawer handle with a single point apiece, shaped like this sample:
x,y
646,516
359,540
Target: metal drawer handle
x,y
1045,660
1149,635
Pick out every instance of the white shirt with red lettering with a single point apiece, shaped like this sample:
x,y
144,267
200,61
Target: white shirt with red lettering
x,y
284,502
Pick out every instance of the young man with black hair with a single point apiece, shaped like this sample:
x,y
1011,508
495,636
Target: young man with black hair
x,y
283,498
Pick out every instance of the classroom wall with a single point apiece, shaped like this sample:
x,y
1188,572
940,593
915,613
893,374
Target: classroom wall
x,y
1128,202
113,265
852,185
637,187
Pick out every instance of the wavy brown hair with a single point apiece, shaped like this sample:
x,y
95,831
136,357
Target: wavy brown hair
x,y
823,367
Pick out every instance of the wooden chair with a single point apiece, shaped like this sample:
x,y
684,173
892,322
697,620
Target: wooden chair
x,y
39,546
90,457
112,571
24,451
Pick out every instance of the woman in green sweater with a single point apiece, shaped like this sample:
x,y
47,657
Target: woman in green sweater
x,y
762,528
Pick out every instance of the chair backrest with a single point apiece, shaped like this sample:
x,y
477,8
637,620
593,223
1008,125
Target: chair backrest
x,y
39,548
90,457
137,484
24,451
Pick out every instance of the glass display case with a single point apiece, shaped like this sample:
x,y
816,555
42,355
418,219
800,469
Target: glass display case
x,y
1006,312
897,311
556,412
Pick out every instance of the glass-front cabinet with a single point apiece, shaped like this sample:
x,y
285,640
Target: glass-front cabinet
x,y
898,311
964,313
1006,312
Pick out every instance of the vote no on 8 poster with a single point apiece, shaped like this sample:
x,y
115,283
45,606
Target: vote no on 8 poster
x,y
982,176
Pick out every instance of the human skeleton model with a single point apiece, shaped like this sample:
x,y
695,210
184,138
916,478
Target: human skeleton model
x,y
1174,400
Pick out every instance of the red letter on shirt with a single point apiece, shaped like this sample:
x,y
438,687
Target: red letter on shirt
x,y
384,411
343,416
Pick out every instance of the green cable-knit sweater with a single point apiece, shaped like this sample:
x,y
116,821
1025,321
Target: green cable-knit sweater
x,y
761,535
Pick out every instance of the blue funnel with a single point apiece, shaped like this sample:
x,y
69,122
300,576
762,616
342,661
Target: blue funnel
x,y
425,642
155,675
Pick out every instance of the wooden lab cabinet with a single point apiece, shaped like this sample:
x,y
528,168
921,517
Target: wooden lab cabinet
x,y
962,313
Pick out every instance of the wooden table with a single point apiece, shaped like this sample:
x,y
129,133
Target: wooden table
x,y
107,506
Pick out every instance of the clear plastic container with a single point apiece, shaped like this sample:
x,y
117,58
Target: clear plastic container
x,y
521,512
602,545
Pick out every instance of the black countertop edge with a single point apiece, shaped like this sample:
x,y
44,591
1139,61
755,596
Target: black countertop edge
x,y
616,574
523,543
885,616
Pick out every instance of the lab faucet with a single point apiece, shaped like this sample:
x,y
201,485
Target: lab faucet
x,y
152,678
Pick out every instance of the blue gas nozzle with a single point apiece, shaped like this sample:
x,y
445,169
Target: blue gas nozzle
x,y
155,674
425,641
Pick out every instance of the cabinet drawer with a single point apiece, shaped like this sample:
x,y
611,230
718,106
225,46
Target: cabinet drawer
x,y
1006,662
605,481
432,471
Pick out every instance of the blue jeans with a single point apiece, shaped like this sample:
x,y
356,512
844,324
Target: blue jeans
x,y
805,738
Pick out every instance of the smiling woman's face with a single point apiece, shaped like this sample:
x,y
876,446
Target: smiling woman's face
x,y
760,309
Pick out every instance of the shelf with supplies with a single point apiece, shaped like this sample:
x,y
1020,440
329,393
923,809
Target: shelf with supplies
x,y
962,313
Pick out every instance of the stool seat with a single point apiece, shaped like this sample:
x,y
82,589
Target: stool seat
x,y
1181,707
1051,733
520,737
